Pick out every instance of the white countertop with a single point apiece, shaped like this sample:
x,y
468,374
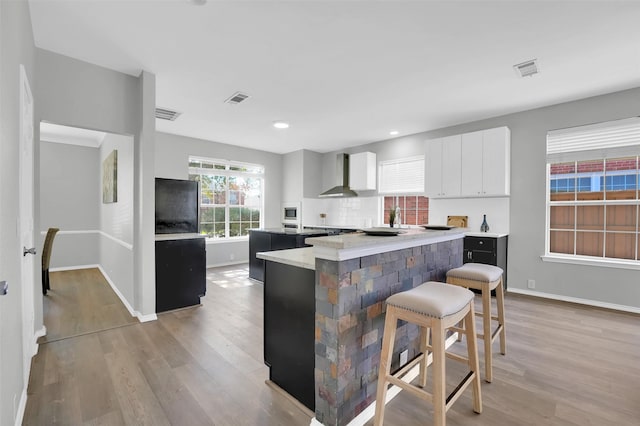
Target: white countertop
x,y
164,237
301,257
350,246
485,234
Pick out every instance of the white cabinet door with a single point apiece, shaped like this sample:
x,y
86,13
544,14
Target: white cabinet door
x,y
443,167
434,166
472,158
362,171
496,159
451,166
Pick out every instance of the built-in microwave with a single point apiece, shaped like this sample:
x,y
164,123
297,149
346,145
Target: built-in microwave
x,y
291,214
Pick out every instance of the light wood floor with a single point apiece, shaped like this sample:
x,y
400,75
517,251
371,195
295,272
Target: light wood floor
x,y
565,365
81,302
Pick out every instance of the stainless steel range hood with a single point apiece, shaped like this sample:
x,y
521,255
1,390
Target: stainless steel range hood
x,y
342,175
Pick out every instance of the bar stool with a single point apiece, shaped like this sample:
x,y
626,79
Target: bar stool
x,y
435,307
484,278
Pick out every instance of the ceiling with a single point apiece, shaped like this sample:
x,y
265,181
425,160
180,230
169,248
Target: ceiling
x,y
345,73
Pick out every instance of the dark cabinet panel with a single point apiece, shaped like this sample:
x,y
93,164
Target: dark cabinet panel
x,y
258,241
180,273
489,250
263,240
289,329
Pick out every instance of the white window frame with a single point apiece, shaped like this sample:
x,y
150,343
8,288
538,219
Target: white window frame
x,y
228,164
602,141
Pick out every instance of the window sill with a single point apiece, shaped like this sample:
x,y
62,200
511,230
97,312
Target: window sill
x,y
225,240
589,261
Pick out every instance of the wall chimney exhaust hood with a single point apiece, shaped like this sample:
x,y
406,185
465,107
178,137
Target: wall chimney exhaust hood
x,y
342,175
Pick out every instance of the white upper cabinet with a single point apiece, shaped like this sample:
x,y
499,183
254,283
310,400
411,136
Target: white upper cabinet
x,y
475,164
443,167
472,164
362,171
486,163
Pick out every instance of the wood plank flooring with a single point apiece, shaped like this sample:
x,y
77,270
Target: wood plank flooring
x,y
565,365
81,302
196,366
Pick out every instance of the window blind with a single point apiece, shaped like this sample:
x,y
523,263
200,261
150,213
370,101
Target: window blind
x,y
602,140
402,176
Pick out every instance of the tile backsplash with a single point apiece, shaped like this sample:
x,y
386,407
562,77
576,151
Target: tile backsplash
x,y
356,212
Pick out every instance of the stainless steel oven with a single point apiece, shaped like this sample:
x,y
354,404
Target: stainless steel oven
x,y
291,215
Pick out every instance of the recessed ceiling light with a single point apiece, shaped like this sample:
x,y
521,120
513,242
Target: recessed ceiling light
x,y
394,132
197,2
280,125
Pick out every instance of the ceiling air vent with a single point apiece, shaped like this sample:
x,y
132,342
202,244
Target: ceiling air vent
x,y
527,69
167,114
236,98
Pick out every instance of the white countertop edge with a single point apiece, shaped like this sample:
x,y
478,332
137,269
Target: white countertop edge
x,y
165,237
486,234
300,257
330,253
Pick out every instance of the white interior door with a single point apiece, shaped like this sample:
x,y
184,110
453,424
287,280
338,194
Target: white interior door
x,y
26,218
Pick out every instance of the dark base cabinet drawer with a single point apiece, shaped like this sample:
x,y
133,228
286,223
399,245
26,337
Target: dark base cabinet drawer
x,y
488,250
480,243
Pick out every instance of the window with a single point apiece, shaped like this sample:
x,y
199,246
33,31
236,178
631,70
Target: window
x,y
414,209
403,176
230,196
593,199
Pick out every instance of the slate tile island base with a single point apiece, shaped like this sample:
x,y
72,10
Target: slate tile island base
x,y
350,310
350,316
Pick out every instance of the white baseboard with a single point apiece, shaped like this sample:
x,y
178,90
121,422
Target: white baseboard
x,y
23,397
38,334
580,301
125,302
21,406
146,318
73,268
369,412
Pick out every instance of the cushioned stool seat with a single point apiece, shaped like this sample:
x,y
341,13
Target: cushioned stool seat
x,y
485,278
435,307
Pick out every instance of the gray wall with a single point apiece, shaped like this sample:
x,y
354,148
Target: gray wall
x,y
116,219
527,202
69,200
75,93
16,47
172,159
292,176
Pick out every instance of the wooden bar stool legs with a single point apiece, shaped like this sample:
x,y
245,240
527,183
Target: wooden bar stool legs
x,y
485,278
435,309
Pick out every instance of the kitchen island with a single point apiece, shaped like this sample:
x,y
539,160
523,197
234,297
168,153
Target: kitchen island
x,y
353,274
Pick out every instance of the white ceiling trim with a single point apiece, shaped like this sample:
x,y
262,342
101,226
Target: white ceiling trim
x,y
70,135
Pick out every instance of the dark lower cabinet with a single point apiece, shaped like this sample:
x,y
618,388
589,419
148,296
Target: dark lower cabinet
x,y
266,240
489,250
180,273
289,326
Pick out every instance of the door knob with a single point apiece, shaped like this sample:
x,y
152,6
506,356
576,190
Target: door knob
x,y
26,251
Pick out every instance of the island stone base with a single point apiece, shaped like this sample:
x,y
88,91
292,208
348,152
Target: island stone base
x,y
349,321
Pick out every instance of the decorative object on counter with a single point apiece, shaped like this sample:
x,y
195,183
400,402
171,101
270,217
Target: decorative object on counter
x,y
458,221
392,216
323,218
383,232
398,219
485,226
438,227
